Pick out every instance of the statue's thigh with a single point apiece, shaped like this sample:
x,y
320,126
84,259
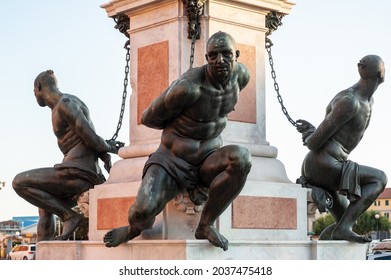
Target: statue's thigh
x,y
157,187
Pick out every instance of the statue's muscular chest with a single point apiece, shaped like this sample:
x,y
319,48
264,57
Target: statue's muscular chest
x,y
360,121
214,103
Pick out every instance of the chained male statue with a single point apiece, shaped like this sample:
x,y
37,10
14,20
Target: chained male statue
x,y
54,190
348,188
192,112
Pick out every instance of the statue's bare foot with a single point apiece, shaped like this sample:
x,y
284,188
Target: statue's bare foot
x,y
69,226
116,236
346,234
212,234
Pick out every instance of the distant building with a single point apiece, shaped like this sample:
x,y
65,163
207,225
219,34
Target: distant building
x,y
9,227
26,221
382,205
18,230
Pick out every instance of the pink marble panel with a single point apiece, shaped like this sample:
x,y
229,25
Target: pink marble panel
x,y
245,109
113,212
152,74
264,213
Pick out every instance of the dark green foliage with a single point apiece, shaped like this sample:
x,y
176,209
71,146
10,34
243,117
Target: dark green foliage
x,y
365,224
321,223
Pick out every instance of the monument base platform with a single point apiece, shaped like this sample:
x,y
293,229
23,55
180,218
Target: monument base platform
x,y
201,250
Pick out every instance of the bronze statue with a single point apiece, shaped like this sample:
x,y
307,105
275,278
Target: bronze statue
x,y
54,190
192,112
348,188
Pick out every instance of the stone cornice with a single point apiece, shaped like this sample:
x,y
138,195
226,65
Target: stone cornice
x,y
116,7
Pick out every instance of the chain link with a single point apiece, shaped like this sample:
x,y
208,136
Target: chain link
x,y
124,94
268,45
193,40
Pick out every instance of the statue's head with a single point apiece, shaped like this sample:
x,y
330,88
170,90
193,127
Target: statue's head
x,y
371,67
221,54
44,79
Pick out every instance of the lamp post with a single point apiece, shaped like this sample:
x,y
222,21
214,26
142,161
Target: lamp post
x,y
377,216
16,236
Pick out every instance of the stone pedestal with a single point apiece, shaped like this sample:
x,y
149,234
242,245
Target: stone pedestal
x,y
201,250
270,207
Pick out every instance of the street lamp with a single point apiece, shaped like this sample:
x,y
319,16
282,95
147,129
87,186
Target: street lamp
x,y
377,216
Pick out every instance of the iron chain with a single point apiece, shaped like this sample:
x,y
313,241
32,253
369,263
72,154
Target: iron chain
x,y
124,94
193,40
268,45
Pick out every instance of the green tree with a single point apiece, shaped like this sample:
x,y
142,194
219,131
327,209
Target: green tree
x,y
321,223
365,224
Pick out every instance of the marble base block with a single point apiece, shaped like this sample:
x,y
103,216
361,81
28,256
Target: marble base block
x,y
201,250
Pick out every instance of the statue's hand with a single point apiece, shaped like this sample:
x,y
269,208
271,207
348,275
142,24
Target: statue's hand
x,y
115,145
304,126
106,158
306,129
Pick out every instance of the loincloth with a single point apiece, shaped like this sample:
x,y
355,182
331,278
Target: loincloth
x,y
186,175
91,177
350,181
349,186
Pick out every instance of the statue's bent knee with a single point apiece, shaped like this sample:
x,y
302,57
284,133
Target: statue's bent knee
x,y
17,182
242,159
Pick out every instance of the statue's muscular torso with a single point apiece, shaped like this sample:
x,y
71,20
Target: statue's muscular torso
x,y
353,115
67,122
196,130
347,118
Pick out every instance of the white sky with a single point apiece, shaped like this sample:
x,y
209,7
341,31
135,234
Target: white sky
x,y
315,52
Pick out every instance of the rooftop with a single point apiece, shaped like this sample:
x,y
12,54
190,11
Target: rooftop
x,y
385,194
